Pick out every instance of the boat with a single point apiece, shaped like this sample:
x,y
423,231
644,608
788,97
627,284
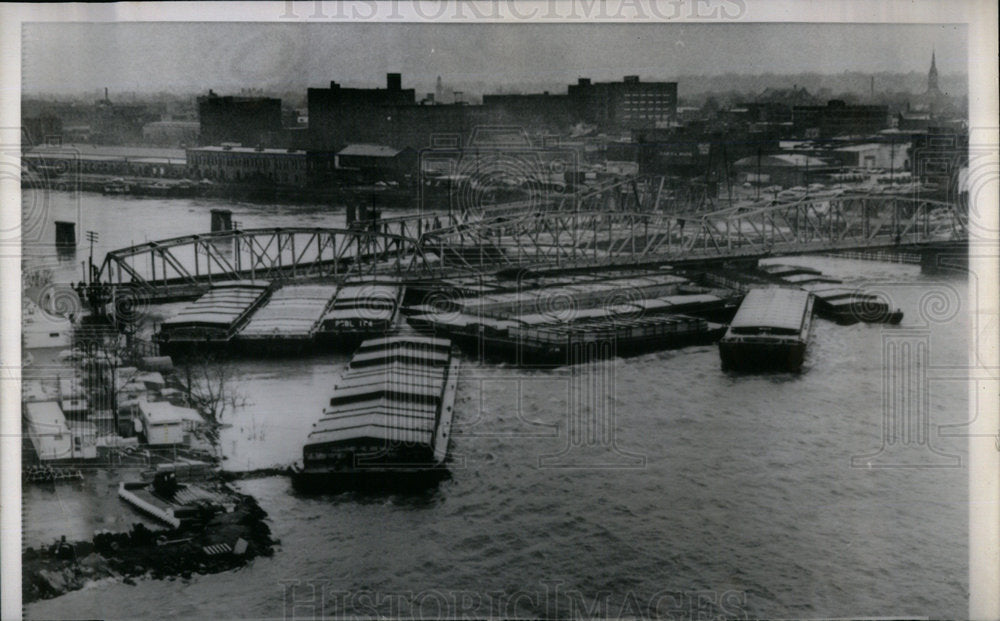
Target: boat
x,y
116,186
171,502
388,423
41,330
213,319
543,340
288,322
849,306
769,331
360,311
834,301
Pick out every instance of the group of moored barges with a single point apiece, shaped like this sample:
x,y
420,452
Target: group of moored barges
x,y
253,317
289,321
546,340
546,325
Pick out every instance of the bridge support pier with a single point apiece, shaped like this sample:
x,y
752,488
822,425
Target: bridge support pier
x,y
946,258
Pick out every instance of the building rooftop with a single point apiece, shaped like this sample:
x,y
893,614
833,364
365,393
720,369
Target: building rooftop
x,y
165,413
46,416
106,151
369,150
790,160
246,150
860,147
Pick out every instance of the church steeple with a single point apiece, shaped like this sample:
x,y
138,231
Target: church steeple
x,y
932,75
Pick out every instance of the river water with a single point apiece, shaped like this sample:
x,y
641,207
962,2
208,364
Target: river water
x,y
693,493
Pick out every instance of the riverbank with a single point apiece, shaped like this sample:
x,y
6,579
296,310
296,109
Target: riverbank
x,y
383,196
224,541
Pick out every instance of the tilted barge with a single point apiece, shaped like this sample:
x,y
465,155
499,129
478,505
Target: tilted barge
x,y
769,331
388,423
834,300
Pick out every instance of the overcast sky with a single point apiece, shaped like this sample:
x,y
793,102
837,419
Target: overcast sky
x,y
76,57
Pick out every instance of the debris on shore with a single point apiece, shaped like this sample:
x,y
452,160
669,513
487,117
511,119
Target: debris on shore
x,y
217,543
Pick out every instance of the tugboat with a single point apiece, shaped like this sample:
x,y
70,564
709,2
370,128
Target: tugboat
x,y
389,421
770,331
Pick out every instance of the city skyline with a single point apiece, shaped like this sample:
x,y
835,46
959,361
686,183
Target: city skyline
x,y
75,58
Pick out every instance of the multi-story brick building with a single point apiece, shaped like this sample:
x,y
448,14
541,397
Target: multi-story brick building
x,y
837,118
249,165
249,121
340,116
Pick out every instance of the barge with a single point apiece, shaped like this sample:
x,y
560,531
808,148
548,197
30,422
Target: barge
x,y
288,322
849,306
584,294
360,311
388,423
543,340
834,301
211,321
171,502
770,331
551,338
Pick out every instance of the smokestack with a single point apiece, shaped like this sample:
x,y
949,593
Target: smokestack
x,y
393,81
873,89
105,93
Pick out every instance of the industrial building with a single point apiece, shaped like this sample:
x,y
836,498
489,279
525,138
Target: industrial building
x,y
248,121
378,162
629,104
119,124
229,163
391,116
785,170
837,118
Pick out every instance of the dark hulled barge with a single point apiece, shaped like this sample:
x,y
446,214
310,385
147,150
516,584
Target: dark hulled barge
x,y
545,340
361,311
211,321
834,301
389,422
769,331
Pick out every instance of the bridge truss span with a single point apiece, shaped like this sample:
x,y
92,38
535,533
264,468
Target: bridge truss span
x,y
533,234
174,266
815,224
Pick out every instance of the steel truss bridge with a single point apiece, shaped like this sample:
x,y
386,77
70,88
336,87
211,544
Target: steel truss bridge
x,y
606,227
596,238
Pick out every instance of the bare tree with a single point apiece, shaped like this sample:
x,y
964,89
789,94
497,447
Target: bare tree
x,y
211,387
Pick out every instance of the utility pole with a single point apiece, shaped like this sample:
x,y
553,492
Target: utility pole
x,y
92,236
